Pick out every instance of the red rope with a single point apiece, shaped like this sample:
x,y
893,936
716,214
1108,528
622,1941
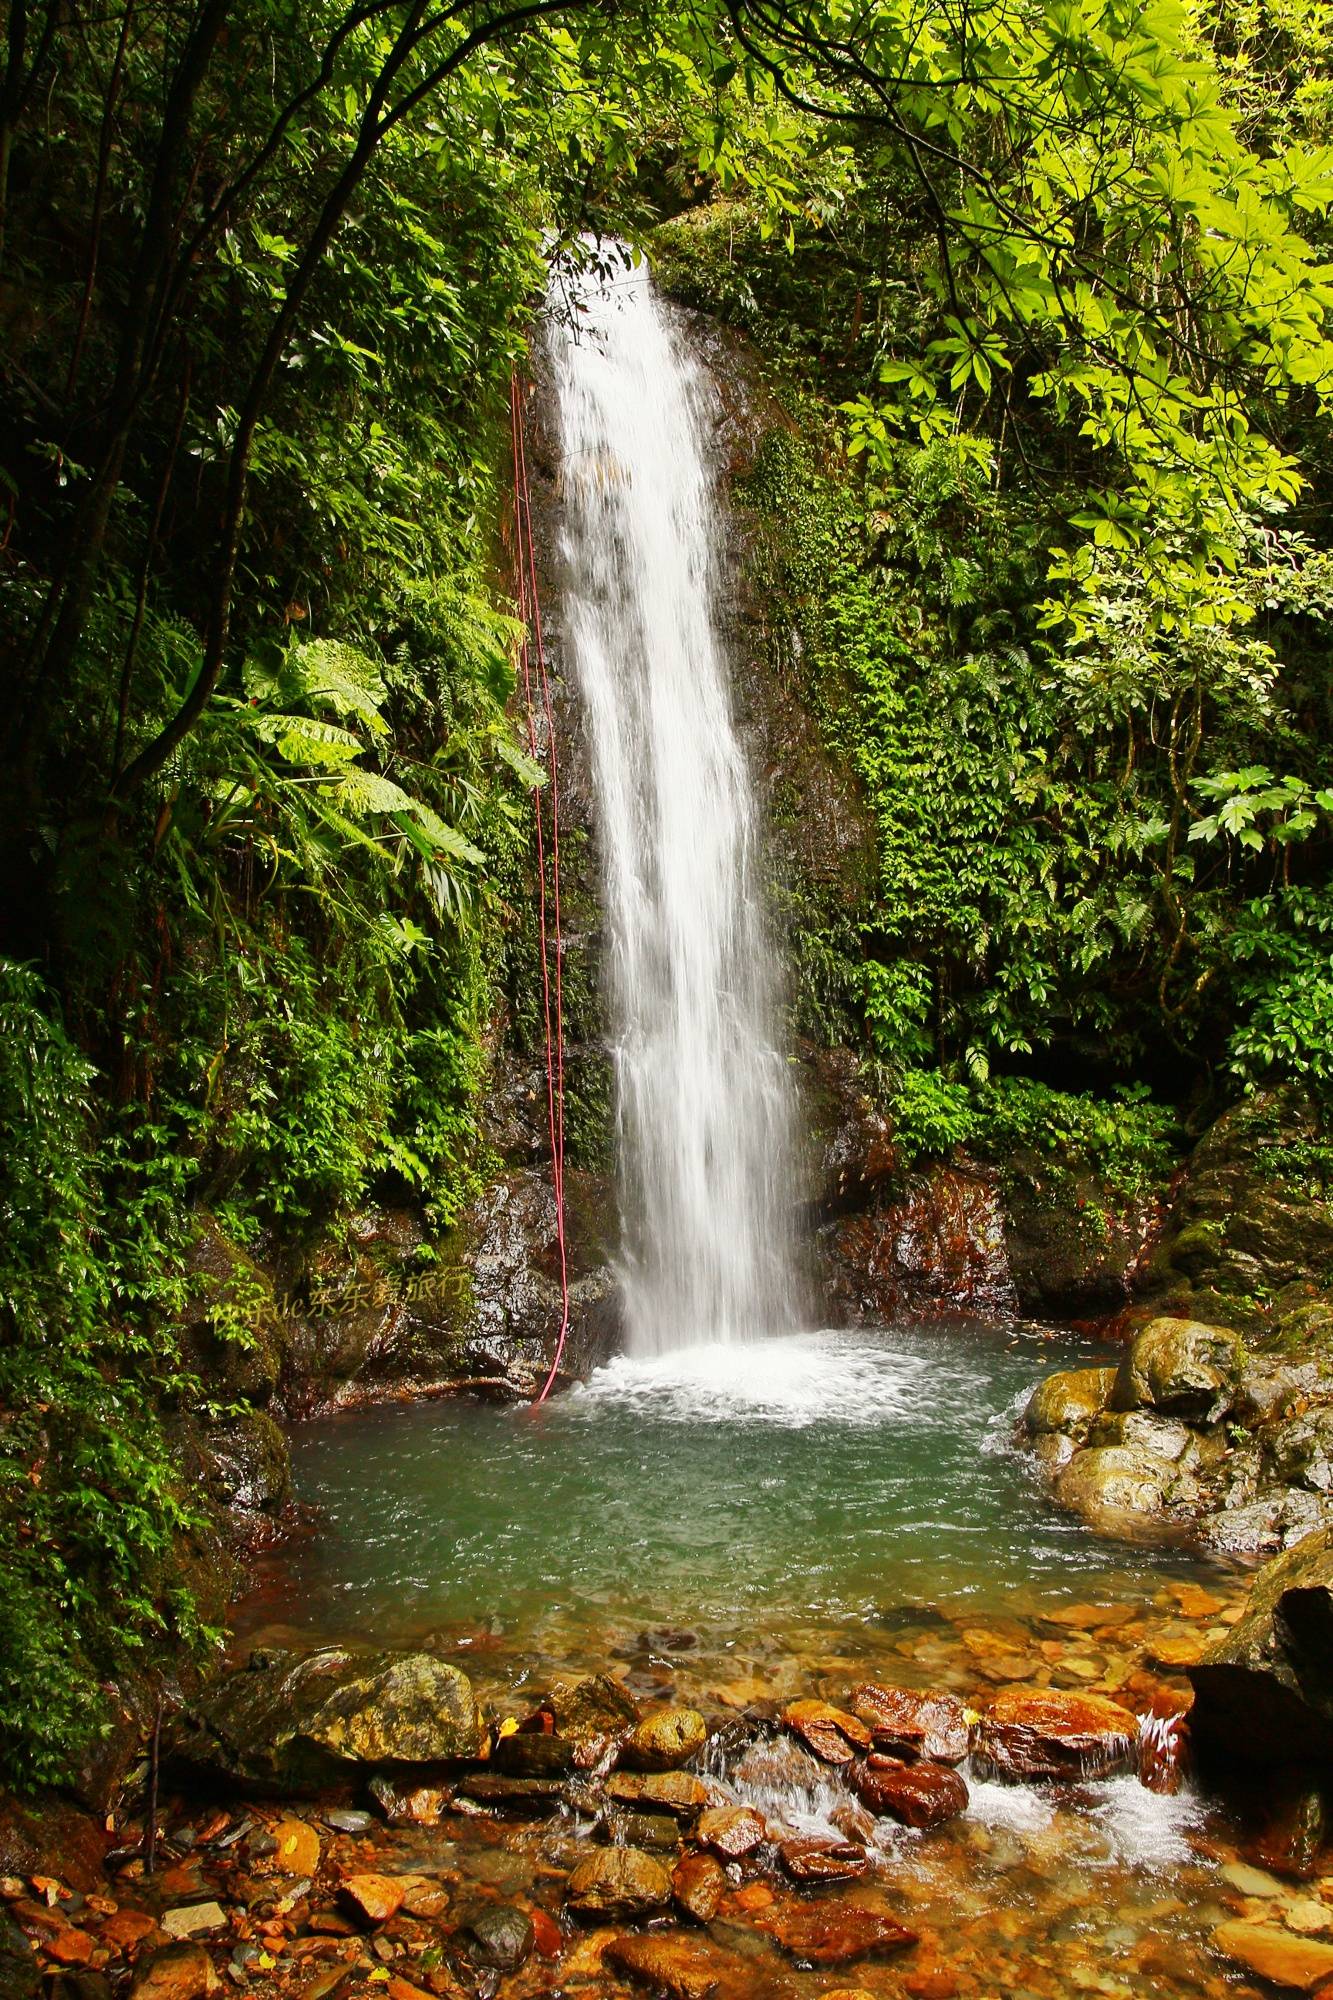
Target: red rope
x,y
553,1005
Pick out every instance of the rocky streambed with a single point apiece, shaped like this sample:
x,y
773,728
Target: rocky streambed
x,y
1007,1806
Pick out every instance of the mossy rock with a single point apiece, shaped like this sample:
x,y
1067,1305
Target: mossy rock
x,y
1104,1483
302,1722
1069,1402
1182,1368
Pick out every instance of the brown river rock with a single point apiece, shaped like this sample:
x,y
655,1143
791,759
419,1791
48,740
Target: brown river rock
x,y
180,1972
666,1740
698,1883
1277,1955
676,1792
618,1882
732,1831
927,1725
374,1897
298,1847
823,1860
833,1735
833,1933
678,1963
920,1795
1040,1733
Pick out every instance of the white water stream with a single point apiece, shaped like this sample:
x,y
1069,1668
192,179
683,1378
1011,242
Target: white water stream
x,y
704,1102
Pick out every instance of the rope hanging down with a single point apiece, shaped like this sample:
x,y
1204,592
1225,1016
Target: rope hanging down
x,y
532,650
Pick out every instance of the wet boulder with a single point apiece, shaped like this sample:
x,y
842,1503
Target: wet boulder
x,y
815,1859
834,1736
1069,1402
1182,1368
1280,1518
1263,1695
1272,1387
1041,1733
1299,1452
300,1722
904,1720
1108,1481
920,1795
1143,1430
675,1792
618,1882
731,1831
666,1739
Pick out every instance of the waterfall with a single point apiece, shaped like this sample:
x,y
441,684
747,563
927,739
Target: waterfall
x,y
704,1100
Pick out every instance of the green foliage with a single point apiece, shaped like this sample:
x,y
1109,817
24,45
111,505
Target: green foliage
x,y
90,1500
931,1116
1130,1143
1284,948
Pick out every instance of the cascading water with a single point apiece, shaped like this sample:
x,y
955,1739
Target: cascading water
x,y
705,1105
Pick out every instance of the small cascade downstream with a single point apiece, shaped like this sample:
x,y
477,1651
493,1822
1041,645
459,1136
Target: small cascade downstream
x,y
705,1106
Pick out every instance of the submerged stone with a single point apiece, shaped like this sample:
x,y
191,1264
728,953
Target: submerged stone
x,y
403,1803
834,1933
372,1897
1275,1954
587,1707
502,1937
530,1798
179,1972
672,1962
698,1883
823,1860
618,1882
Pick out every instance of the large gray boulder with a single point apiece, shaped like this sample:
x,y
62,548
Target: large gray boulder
x,y
1263,1695
302,1722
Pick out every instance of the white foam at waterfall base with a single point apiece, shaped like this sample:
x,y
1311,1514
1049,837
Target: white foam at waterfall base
x,y
704,1101
797,1380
